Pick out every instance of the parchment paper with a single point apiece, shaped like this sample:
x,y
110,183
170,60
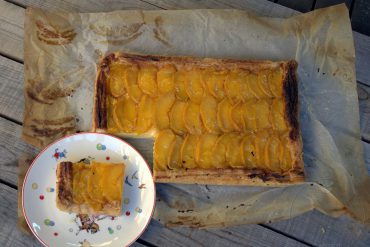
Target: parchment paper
x,y
62,50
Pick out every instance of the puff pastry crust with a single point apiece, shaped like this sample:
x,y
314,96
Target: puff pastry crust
x,y
90,189
215,121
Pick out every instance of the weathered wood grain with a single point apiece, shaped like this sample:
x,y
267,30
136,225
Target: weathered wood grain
x,y
11,88
321,230
10,235
247,235
302,5
11,149
364,103
11,30
263,8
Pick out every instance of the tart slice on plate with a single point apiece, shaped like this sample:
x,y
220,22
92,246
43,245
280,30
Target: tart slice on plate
x,y
105,199
94,188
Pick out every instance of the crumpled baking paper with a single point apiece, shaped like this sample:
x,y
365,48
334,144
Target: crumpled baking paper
x,y
63,49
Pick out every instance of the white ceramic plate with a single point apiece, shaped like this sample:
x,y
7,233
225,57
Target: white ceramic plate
x,y
56,228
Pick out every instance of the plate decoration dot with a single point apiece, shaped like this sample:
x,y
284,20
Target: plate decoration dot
x,y
138,210
48,222
59,154
101,147
110,230
35,186
42,197
50,189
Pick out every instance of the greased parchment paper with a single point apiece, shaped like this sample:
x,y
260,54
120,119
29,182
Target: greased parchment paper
x,y
63,49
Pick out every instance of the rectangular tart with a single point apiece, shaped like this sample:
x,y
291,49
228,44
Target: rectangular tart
x,y
94,188
214,121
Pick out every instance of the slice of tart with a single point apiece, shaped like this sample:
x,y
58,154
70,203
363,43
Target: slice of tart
x,y
94,188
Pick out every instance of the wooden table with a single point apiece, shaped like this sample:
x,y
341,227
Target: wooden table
x,y
310,229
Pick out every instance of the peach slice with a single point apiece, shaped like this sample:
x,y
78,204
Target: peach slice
x,y
162,148
188,151
166,79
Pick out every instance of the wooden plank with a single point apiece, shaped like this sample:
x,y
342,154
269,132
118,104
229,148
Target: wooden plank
x,y
85,6
361,16
11,88
11,30
326,3
10,235
321,230
11,149
301,6
246,235
263,8
362,48
364,103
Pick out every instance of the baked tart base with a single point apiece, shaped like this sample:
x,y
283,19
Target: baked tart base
x,y
214,121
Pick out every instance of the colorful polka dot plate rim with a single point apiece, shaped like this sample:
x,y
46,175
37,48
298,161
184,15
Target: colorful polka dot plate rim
x,y
53,227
